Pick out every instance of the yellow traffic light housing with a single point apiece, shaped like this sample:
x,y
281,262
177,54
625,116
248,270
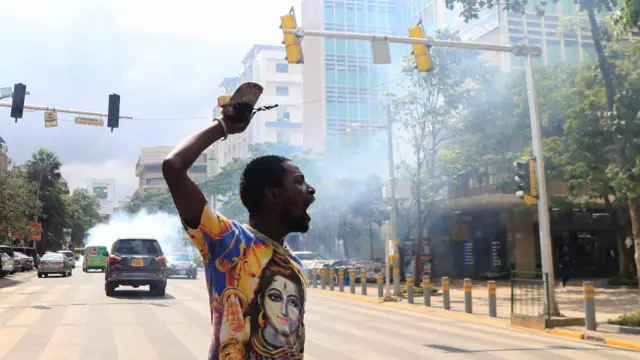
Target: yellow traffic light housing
x,y
291,41
420,51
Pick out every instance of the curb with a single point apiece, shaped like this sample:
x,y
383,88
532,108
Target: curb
x,y
570,334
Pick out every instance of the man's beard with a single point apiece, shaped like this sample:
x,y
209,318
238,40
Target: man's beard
x,y
298,223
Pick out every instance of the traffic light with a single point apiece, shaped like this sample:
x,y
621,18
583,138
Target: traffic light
x,y
420,51
113,118
17,104
291,41
526,178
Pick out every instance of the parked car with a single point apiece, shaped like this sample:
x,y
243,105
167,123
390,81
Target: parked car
x,y
311,260
136,262
26,261
6,264
181,264
70,257
54,263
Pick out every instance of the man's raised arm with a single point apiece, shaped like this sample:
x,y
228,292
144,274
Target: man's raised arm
x,y
189,199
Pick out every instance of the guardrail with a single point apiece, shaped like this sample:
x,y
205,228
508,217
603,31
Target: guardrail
x,y
529,291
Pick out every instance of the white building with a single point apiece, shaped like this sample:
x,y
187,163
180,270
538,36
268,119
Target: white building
x,y
282,82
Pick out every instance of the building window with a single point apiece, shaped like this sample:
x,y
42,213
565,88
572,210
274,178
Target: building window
x,y
282,91
283,115
282,68
155,181
283,137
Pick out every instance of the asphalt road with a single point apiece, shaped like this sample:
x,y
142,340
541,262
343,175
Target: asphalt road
x,y
71,318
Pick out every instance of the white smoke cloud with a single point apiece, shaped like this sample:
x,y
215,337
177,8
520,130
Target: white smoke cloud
x,y
165,228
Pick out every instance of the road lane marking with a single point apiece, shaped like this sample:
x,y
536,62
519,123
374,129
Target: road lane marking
x,y
27,317
75,315
122,314
49,298
12,300
10,337
65,343
196,341
168,315
132,343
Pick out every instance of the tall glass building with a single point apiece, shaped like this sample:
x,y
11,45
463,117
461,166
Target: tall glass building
x,y
341,84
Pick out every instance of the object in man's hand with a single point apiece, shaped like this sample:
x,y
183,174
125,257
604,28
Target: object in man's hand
x,y
239,108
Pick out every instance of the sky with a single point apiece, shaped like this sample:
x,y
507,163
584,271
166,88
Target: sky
x,y
164,58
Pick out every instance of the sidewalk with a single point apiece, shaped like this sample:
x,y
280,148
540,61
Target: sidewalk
x,y
17,278
610,303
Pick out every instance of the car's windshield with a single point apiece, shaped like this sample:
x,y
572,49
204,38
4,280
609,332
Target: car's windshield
x,y
68,254
138,247
179,257
52,257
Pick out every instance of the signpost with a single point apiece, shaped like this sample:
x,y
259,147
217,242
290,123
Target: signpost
x,y
82,120
50,119
104,190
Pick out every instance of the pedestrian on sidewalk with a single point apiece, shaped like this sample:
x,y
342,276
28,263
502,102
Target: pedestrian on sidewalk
x,y
565,267
256,285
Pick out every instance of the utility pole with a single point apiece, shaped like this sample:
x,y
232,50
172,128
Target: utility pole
x,y
394,214
522,50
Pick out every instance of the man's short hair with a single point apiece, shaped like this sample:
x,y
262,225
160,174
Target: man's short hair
x,y
261,173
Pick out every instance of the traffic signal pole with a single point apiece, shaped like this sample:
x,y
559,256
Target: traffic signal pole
x,y
523,50
63,110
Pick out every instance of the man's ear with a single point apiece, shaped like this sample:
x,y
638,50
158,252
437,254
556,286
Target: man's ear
x,y
272,194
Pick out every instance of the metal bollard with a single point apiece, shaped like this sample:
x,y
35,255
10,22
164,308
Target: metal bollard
x,y
426,288
410,289
363,282
324,276
589,305
468,298
352,280
314,278
491,286
331,282
341,280
380,285
446,300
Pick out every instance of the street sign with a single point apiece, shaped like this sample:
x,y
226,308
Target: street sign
x,y
36,230
50,119
81,120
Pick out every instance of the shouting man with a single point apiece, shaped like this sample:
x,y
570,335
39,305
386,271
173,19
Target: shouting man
x,y
256,285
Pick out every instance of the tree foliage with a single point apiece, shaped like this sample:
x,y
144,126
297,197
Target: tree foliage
x,y
18,202
43,168
83,213
428,114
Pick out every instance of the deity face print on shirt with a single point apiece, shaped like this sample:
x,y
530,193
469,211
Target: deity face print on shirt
x,y
282,308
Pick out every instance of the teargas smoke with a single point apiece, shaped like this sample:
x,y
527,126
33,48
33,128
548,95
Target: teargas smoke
x,y
165,228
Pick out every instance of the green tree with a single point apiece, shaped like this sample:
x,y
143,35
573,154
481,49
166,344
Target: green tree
x,y
43,168
18,202
84,213
427,115
471,9
597,150
151,201
628,17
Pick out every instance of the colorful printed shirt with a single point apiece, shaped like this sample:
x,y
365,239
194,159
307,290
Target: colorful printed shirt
x,y
256,291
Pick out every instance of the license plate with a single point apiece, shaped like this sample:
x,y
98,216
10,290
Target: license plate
x,y
137,262
182,272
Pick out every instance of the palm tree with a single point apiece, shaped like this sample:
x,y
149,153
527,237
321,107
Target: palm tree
x,y
44,169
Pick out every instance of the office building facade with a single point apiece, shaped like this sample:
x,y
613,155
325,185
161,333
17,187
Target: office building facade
x,y
342,86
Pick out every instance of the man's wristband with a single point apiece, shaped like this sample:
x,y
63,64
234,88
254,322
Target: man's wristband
x,y
224,128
